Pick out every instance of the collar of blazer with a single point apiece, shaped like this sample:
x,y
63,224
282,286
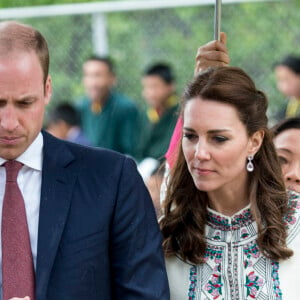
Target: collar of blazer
x,y
61,165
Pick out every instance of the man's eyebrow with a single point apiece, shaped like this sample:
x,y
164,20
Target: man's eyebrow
x,y
27,97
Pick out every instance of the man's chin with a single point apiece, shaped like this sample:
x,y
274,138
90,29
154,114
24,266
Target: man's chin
x,y
10,152
97,96
94,96
9,155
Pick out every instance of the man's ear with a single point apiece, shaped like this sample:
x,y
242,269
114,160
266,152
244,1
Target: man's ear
x,y
48,89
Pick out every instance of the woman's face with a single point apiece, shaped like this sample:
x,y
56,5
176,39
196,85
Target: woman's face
x,y
287,144
216,145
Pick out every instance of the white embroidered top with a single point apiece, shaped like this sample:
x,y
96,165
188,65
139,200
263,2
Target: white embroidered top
x,y
234,268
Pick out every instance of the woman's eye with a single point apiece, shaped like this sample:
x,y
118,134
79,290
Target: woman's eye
x,y
282,160
220,139
189,136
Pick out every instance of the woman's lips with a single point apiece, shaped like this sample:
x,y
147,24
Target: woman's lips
x,y
202,171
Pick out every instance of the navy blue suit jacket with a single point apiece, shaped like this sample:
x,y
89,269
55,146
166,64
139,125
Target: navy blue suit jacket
x,y
98,237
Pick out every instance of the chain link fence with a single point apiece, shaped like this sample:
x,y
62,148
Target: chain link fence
x,y
259,34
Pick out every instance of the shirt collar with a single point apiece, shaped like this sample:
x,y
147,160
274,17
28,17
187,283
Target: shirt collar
x,y
33,156
239,219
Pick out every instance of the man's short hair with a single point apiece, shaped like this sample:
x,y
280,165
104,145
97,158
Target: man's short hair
x,y
162,70
286,124
104,59
16,36
292,62
65,112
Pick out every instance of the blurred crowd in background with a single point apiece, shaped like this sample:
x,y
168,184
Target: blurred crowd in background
x,y
105,118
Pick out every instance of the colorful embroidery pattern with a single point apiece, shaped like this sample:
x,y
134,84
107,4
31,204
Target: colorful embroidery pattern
x,y
234,267
223,223
275,278
244,233
214,253
193,283
253,284
251,251
294,205
217,236
214,286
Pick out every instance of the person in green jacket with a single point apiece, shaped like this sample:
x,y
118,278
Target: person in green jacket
x,y
108,118
159,92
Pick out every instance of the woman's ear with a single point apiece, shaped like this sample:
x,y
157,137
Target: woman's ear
x,y
255,142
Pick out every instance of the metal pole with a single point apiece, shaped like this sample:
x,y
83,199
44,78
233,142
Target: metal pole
x,y
217,20
99,34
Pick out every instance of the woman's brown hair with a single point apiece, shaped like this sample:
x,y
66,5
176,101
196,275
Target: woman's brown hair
x,y
183,224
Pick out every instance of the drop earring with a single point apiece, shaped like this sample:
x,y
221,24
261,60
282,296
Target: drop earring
x,y
250,166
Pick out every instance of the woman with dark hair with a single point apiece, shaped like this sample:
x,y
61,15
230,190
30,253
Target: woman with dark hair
x,y
287,144
229,228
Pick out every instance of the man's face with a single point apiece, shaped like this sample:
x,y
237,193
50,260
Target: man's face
x,y
97,79
288,82
23,97
156,91
287,144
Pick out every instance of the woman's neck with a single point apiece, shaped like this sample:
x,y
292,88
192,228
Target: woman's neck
x,y
228,201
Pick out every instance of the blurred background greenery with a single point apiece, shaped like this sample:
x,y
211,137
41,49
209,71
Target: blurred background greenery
x,y
259,34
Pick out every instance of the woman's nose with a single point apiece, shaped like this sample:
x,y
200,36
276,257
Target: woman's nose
x,y
202,151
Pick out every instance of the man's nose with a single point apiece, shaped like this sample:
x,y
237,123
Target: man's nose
x,y
293,173
8,118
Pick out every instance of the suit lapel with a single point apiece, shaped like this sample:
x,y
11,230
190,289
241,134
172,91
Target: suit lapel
x,y
59,174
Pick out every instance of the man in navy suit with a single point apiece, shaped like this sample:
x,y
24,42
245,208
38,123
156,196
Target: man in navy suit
x,y
91,224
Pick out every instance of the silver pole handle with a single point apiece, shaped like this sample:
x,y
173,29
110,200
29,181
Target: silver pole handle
x,y
217,20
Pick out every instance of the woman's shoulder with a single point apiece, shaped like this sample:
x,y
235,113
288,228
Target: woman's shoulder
x,y
179,276
176,260
177,266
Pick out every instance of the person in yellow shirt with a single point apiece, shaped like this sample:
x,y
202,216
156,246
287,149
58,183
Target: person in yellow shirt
x,y
287,74
159,92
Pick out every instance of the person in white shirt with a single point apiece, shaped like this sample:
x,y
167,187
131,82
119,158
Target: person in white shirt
x,y
230,231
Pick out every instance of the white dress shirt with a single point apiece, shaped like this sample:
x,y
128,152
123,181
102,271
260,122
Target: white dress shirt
x,y
29,181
